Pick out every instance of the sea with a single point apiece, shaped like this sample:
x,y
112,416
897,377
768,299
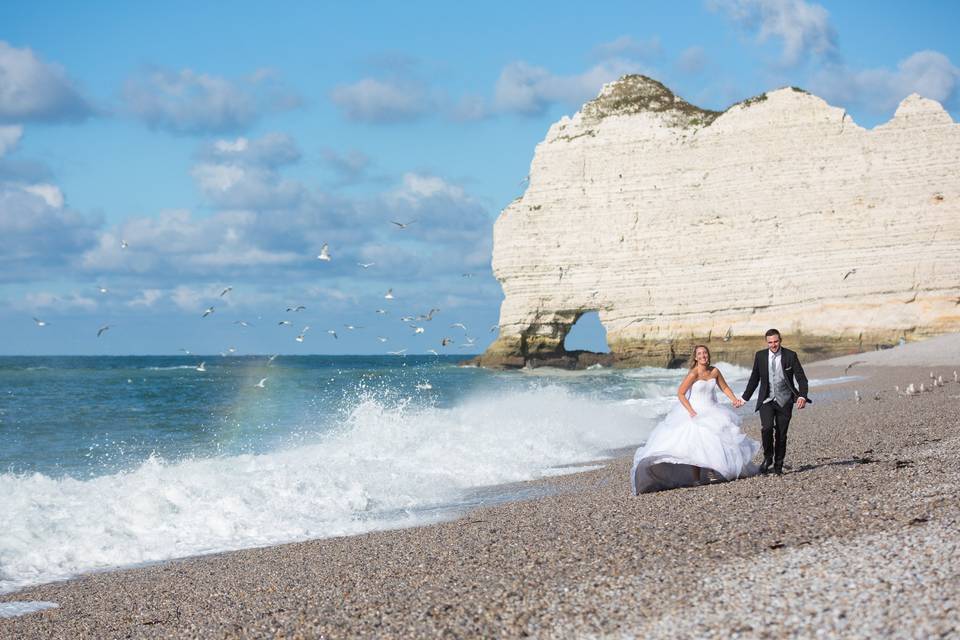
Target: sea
x,y
110,462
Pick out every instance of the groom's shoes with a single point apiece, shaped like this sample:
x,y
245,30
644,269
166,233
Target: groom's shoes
x,y
765,466
778,468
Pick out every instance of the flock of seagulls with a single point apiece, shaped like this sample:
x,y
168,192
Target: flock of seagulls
x,y
416,323
912,389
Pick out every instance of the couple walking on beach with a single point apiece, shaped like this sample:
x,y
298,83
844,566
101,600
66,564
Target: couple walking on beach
x,y
699,434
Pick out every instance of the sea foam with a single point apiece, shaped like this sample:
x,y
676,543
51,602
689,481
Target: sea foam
x,y
386,463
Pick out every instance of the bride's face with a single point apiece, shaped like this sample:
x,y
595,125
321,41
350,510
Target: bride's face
x,y
702,357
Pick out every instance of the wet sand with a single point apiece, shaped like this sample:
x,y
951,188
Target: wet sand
x,y
857,539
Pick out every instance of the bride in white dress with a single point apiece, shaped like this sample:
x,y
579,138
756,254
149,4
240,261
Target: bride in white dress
x,y
697,434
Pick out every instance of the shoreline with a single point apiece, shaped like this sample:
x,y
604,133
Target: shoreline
x,y
586,557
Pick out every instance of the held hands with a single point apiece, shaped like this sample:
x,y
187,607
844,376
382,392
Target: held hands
x,y
739,402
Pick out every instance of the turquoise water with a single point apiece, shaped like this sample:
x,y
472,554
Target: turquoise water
x,y
115,461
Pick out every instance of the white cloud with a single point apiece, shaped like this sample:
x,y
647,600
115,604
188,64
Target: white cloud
x,y
51,194
628,47
803,28
530,90
269,150
9,138
147,298
188,102
929,73
44,300
37,232
33,90
382,101
692,60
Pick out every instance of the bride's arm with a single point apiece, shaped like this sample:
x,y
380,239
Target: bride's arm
x,y
682,392
727,391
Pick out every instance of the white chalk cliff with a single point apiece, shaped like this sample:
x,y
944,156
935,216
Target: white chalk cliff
x,y
681,225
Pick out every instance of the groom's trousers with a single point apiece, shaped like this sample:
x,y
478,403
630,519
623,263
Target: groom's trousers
x,y
774,420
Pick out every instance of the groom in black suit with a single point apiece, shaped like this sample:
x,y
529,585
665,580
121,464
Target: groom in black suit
x,y
782,383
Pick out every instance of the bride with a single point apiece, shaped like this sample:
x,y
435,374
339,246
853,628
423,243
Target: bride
x,y
697,434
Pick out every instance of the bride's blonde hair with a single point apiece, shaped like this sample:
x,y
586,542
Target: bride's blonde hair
x,y
693,358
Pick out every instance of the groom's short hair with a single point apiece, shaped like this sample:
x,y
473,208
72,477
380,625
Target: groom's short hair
x,y
771,332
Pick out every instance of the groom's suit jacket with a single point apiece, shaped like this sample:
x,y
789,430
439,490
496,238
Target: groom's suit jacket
x,y
792,372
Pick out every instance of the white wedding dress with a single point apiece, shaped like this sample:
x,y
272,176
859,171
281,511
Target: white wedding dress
x,y
711,440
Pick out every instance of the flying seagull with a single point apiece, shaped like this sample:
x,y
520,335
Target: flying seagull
x,y
202,366
324,253
352,327
849,273
207,312
261,384
365,265
396,353
123,244
445,341
381,339
226,291
416,329
102,329
402,225
40,323
380,311
297,308
102,289
284,322
459,324
389,294
242,323
272,358
333,333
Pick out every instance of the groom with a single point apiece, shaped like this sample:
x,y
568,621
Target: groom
x,y
775,369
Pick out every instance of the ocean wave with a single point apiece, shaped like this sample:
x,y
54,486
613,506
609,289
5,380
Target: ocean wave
x,y
384,464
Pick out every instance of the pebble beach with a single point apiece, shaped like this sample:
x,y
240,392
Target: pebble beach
x,y
856,540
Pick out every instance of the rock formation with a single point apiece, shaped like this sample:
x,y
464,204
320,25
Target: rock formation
x,y
681,225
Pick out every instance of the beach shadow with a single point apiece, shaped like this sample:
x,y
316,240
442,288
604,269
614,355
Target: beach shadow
x,y
852,462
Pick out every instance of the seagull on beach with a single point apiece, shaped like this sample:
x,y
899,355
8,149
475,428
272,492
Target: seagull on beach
x,y
261,384
43,323
201,367
207,312
102,329
324,253
226,291
856,396
910,390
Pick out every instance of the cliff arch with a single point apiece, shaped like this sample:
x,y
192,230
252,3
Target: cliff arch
x,y
682,225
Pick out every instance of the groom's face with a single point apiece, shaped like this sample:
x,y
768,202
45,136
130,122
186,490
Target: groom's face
x,y
773,343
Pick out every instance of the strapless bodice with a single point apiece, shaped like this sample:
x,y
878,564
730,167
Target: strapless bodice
x,y
703,393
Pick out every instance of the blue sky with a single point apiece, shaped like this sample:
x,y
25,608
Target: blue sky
x,y
225,147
